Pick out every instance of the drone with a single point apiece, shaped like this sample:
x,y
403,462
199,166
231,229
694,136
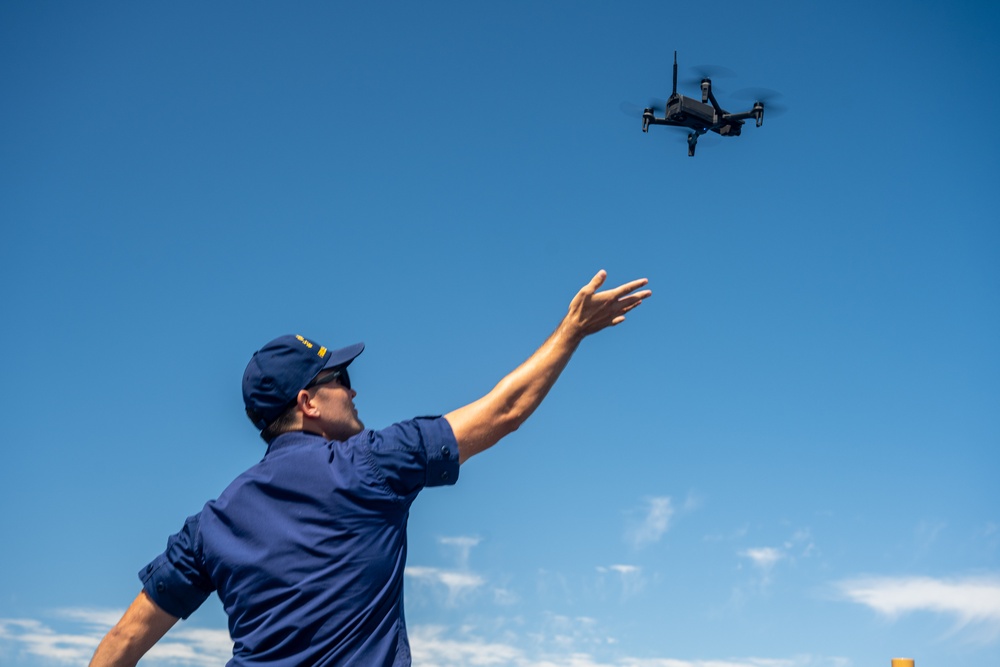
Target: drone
x,y
700,117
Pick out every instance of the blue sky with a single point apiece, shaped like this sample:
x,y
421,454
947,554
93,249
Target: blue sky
x,y
788,457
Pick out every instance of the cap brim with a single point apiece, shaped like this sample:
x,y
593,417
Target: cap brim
x,y
344,356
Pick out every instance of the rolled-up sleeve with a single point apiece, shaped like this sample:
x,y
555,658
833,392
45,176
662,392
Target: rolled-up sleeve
x,y
175,579
417,453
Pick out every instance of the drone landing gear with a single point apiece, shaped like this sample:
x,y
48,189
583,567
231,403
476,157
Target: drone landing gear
x,y
693,140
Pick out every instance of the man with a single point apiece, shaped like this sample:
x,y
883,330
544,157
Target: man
x,y
306,549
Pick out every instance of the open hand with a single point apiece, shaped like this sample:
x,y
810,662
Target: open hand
x,y
590,311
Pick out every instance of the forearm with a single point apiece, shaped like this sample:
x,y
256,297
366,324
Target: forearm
x,y
479,425
116,650
518,394
501,411
143,624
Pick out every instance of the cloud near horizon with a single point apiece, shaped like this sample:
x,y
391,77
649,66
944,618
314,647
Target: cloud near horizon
x,y
432,646
973,602
438,646
200,647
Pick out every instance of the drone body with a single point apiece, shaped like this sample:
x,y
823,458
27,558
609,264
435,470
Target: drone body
x,y
700,116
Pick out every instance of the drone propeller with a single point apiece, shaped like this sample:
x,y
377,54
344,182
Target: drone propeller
x,y
654,105
765,96
712,72
630,109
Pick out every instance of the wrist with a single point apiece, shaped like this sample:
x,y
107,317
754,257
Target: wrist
x,y
570,333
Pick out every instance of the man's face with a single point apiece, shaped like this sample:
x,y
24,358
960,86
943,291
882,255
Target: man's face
x,y
338,415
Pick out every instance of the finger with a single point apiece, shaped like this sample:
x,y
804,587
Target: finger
x,y
596,282
629,287
630,306
637,297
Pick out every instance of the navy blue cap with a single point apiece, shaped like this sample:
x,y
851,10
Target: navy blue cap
x,y
279,370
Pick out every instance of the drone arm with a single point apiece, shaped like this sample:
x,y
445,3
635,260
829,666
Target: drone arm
x,y
756,113
711,98
649,119
653,120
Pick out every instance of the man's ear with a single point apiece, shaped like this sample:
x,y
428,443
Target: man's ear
x,y
306,405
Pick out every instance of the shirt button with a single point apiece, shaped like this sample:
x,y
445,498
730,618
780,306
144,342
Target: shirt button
x,y
444,475
160,586
445,452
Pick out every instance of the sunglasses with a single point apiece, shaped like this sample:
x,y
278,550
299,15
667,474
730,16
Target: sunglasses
x,y
339,376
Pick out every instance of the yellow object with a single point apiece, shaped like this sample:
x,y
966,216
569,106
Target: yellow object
x,y
902,662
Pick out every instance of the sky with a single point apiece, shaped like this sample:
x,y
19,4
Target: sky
x,y
787,457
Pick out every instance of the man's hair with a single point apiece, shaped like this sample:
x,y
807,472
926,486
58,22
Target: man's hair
x,y
286,421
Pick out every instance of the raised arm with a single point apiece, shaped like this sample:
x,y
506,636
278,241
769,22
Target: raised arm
x,y
481,424
143,624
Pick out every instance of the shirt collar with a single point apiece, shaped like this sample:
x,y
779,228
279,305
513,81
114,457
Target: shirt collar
x,y
291,439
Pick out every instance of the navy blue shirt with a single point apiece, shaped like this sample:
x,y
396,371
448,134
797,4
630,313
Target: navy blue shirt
x,y
307,548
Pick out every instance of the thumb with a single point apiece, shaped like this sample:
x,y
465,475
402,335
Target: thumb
x,y
596,282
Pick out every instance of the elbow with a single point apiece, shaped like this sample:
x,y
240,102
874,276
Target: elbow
x,y
511,419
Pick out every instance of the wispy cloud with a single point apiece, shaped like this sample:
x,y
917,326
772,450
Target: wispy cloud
x,y
558,634
458,583
973,602
629,576
432,646
96,619
558,646
38,640
504,596
652,524
565,642
736,534
648,523
463,546
765,559
34,638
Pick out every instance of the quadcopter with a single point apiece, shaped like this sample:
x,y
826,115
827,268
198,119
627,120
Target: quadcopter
x,y
700,117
